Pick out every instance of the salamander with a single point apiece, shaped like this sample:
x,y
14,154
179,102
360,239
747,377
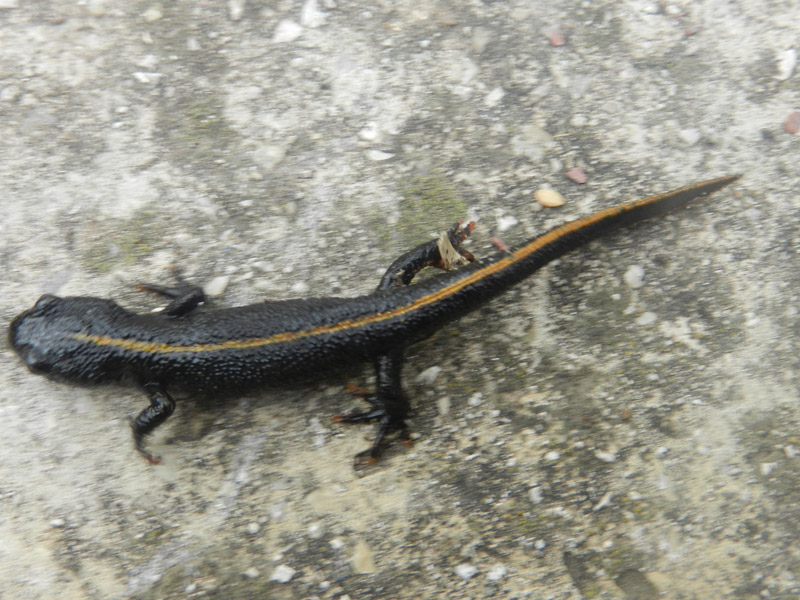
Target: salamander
x,y
87,340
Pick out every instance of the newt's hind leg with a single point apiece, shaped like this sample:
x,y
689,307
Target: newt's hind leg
x,y
185,297
161,407
390,407
443,253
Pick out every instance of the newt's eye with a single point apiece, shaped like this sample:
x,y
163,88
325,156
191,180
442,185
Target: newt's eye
x,y
44,305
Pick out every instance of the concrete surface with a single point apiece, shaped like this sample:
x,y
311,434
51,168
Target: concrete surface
x,y
625,425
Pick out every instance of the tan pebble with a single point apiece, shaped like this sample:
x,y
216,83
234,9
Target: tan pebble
x,y
549,198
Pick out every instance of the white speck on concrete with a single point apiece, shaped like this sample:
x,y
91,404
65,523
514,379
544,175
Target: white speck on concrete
x,y
767,468
378,155
152,14
283,574
337,543
505,222
216,287
300,288
311,16
646,318
429,375
497,572
494,97
605,456
236,9
251,573
634,276
370,132
287,31
604,501
786,63
691,135
253,528
465,571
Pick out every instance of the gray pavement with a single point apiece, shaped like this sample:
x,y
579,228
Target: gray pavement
x,y
625,425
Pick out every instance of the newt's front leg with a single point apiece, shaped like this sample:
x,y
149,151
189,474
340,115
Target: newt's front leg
x,y
161,407
185,296
445,253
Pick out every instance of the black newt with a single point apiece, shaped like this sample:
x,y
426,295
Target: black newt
x,y
89,340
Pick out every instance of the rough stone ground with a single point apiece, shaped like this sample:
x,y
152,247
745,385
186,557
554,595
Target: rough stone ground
x,y
625,425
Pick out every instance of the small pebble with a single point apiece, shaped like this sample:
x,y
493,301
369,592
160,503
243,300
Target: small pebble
x,y
604,501
691,135
287,31
767,468
552,455
494,97
253,528
535,495
634,276
152,14
310,15
465,571
369,133
577,175
337,543
443,405
251,573
315,530
300,288
548,198
496,573
786,64
540,544
790,451
378,156
236,9
579,120
646,318
429,375
283,574
57,523
605,456
362,560
216,286
792,123
506,222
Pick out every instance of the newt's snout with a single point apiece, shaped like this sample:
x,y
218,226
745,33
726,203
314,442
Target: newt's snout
x,y
27,331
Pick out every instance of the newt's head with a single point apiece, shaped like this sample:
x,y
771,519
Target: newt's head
x,y
46,337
